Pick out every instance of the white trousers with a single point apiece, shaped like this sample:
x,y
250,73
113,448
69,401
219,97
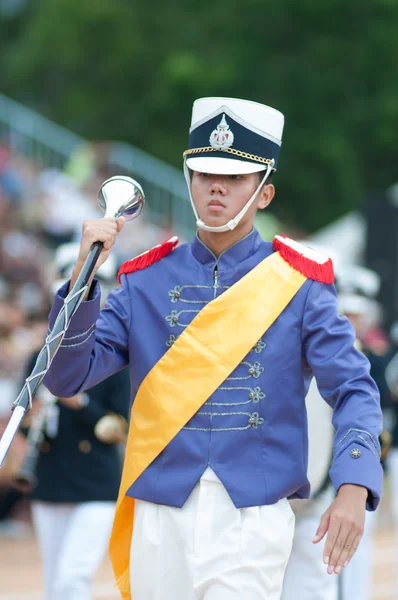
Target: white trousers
x,y
73,540
209,549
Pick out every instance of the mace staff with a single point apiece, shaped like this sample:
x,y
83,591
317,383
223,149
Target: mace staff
x,y
118,196
25,479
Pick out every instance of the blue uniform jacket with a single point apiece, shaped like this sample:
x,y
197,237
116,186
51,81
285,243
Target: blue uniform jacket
x,y
253,430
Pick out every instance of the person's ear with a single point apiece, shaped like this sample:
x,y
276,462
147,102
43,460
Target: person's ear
x,y
266,195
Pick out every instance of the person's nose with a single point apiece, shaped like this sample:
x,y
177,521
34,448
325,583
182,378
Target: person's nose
x,y
217,186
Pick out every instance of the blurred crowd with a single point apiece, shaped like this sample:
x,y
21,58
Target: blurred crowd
x,y
42,210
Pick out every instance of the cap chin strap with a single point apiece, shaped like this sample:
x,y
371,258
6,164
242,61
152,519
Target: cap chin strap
x,y
233,222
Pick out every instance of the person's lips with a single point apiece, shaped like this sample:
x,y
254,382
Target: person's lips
x,y
216,204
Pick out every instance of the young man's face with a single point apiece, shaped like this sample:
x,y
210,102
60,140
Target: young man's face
x,y
219,198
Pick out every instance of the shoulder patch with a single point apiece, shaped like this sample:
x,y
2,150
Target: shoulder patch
x,y
144,260
308,262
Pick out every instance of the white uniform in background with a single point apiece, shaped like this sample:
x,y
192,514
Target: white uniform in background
x,y
356,579
306,577
392,465
73,539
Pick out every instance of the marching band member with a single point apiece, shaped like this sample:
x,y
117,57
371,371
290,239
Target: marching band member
x,y
357,290
222,337
392,468
357,287
391,374
78,474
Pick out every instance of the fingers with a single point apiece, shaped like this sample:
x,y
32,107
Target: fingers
x,y
352,549
338,547
346,525
334,530
100,230
348,547
322,529
341,546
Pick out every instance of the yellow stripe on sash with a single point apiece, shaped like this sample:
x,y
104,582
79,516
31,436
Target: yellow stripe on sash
x,y
203,356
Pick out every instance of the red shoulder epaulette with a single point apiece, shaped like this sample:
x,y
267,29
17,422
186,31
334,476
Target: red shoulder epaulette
x,y
305,260
144,260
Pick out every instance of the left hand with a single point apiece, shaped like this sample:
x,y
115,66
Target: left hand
x,y
344,521
111,429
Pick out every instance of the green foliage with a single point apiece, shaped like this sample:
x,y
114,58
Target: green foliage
x,y
130,70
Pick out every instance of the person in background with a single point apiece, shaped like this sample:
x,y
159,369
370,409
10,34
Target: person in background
x,y
305,577
357,292
391,417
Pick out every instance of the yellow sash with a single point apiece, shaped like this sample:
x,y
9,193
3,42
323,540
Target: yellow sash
x,y
203,356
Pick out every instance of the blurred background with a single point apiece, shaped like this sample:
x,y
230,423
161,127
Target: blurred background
x,y
93,89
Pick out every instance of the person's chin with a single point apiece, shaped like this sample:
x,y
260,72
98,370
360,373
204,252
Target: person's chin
x,y
216,217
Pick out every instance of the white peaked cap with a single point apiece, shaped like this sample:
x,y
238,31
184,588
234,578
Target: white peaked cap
x,y
355,304
358,279
255,140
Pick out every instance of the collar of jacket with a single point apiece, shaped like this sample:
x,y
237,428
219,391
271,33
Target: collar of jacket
x,y
237,253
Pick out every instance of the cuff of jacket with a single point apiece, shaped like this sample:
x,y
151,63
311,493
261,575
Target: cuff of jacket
x,y
82,325
358,465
